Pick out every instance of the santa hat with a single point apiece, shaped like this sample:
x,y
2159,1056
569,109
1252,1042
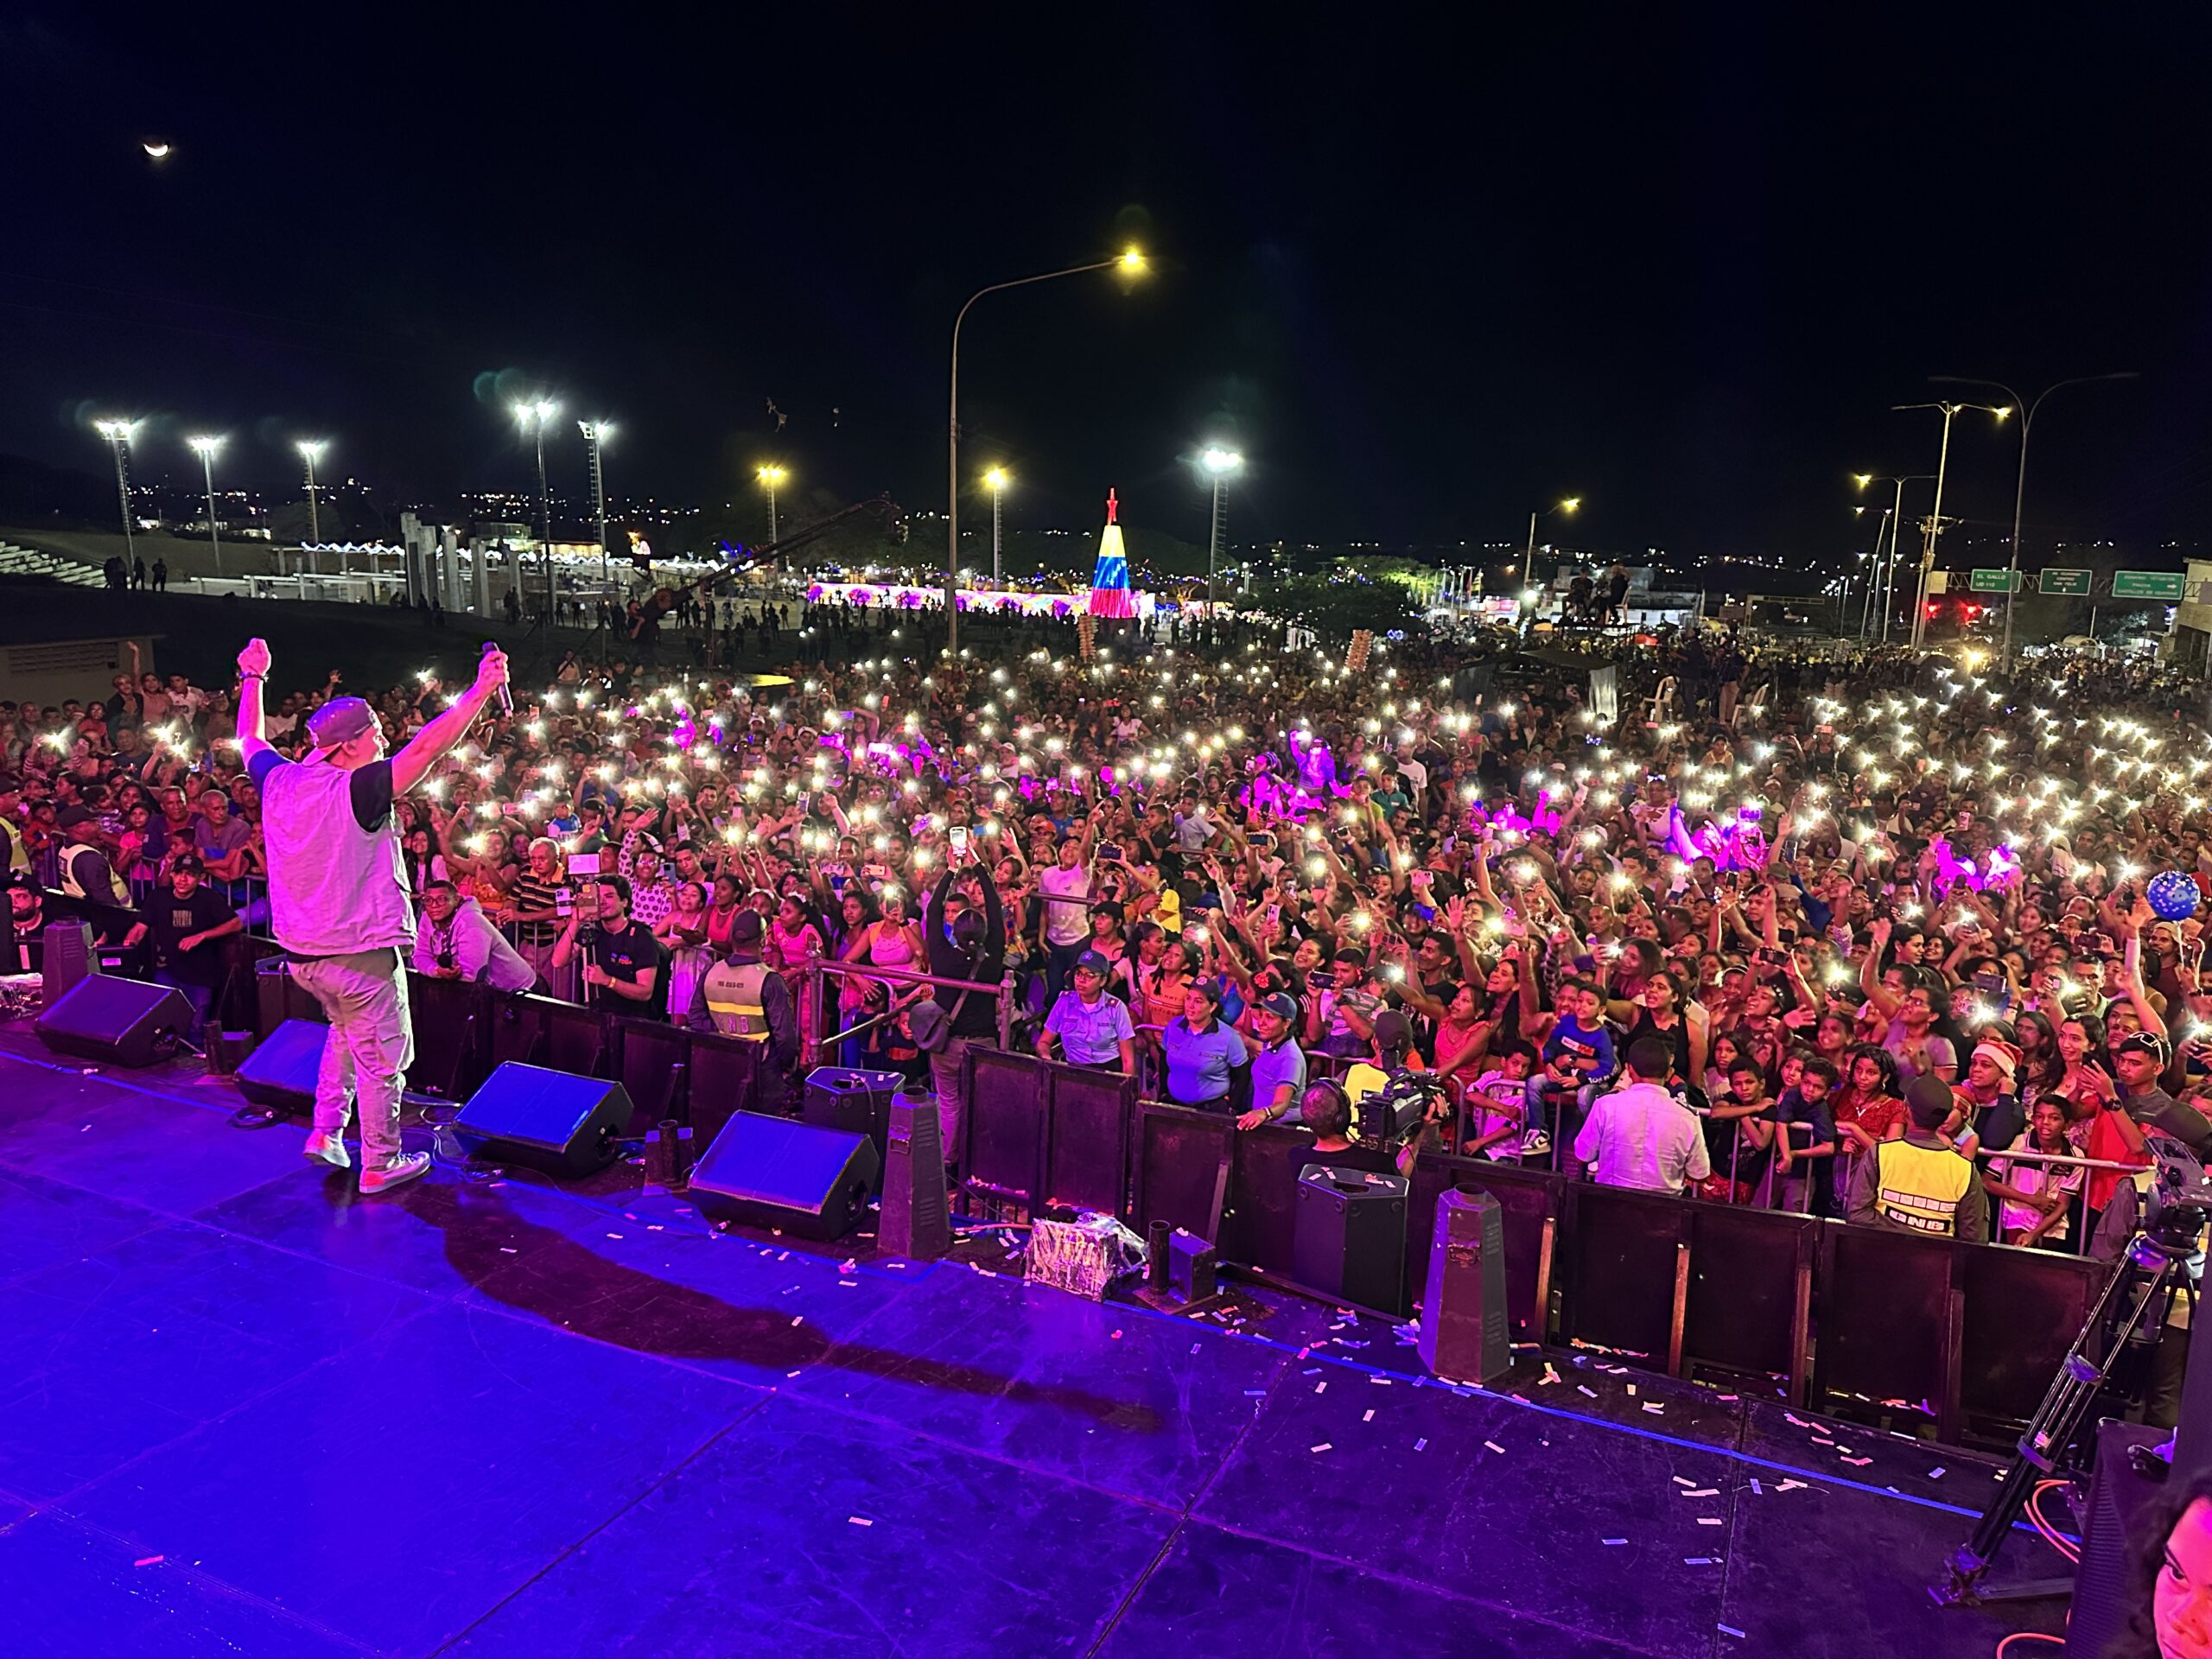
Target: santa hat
x,y
2003,1055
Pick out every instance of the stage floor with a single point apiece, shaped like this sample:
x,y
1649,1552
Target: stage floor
x,y
248,1413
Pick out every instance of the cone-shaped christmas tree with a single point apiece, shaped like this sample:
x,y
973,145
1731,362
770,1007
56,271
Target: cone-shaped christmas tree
x,y
1109,582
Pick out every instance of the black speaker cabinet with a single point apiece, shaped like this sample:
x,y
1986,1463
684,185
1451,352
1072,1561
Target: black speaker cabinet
x,y
1350,1237
277,996
772,1173
547,1120
856,1101
121,1021
2125,1499
915,1223
66,955
1463,1323
279,1075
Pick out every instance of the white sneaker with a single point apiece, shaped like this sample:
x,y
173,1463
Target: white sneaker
x,y
330,1149
405,1168
1535,1144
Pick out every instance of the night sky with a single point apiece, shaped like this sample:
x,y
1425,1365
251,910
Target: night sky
x,y
1427,281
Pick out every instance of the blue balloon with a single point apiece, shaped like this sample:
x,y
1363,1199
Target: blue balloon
x,y
2173,895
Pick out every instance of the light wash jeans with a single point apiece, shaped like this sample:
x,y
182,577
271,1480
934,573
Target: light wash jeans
x,y
370,1047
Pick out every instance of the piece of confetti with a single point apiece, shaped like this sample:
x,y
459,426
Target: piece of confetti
x,y
1702,1491
1369,1415
1324,1446
150,1560
1612,1541
1421,1446
860,1521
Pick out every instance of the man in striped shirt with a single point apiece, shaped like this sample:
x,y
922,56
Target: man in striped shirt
x,y
533,910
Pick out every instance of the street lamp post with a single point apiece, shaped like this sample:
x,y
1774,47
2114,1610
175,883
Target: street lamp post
x,y
998,478
1219,465
535,418
2027,409
594,435
1130,261
311,451
118,434
205,449
1528,559
771,476
1895,512
1935,513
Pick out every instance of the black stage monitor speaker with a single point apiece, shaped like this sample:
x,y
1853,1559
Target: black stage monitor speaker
x,y
915,1223
1193,1265
856,1101
1462,1326
279,1075
121,1021
542,1119
1351,1238
773,1172
66,955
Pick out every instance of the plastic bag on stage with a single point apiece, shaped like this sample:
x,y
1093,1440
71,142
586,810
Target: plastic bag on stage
x,y
1085,1256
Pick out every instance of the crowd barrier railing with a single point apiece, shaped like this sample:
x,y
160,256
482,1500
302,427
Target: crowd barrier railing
x,y
1814,1310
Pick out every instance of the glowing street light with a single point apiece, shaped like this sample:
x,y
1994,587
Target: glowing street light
x,y
1934,527
769,477
595,434
1129,263
1567,507
205,448
118,434
311,451
2027,407
1217,464
536,417
1894,515
998,478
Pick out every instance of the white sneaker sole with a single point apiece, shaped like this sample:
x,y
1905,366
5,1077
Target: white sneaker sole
x,y
332,1152
383,1180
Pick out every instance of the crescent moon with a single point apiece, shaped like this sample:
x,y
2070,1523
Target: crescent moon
x,y
157,147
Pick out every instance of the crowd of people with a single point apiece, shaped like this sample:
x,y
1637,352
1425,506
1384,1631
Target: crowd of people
x,y
1761,916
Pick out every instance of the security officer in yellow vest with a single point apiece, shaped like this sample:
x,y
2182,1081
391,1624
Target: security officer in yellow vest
x,y
11,801
103,898
745,998
1919,1185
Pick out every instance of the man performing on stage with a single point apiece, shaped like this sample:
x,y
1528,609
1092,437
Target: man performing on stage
x,y
338,897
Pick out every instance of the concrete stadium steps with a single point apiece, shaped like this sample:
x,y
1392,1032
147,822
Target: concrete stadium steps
x,y
27,562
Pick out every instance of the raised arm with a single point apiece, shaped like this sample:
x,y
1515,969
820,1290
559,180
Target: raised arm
x,y
253,670
412,764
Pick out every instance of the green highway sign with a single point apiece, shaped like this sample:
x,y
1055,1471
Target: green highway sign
x,y
2147,584
1994,581
2076,582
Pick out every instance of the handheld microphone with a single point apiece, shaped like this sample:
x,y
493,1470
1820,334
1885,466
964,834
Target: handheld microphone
x,y
506,699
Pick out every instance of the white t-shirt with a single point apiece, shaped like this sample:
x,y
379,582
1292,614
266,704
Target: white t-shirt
x,y
1067,904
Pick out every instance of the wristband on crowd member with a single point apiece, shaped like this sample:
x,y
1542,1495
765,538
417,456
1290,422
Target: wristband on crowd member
x,y
245,675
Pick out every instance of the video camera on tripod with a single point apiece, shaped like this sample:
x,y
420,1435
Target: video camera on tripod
x,y
2131,1310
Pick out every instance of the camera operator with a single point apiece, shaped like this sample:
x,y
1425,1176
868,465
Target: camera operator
x,y
1327,1112
458,941
621,957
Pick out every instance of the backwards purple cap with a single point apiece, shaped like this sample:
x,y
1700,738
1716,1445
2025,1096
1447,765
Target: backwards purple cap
x,y
340,721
